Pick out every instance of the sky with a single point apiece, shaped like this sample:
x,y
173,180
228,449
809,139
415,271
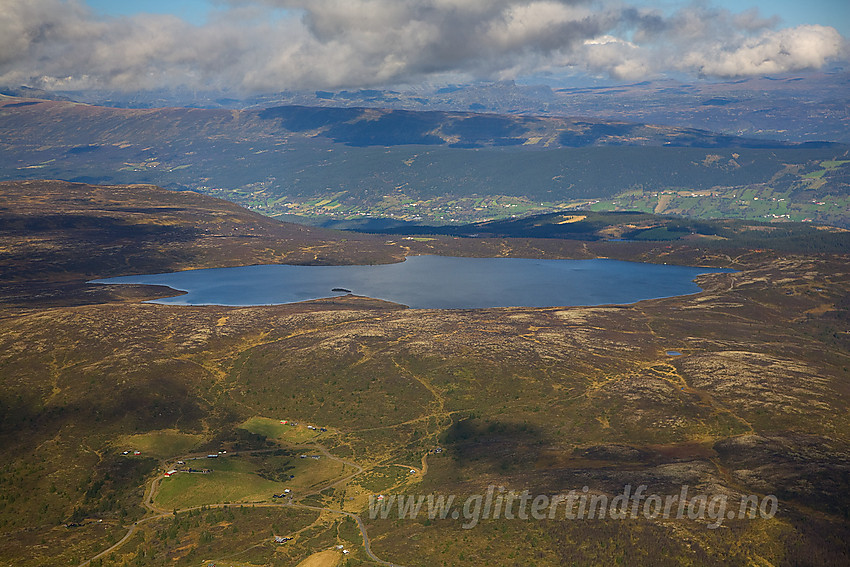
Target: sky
x,y
254,46
835,13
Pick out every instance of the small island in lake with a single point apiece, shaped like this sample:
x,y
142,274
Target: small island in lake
x,y
341,289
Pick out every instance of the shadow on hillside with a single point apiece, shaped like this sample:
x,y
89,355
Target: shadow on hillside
x,y
501,446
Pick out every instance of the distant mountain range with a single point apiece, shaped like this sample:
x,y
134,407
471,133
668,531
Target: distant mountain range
x,y
430,166
69,123
801,107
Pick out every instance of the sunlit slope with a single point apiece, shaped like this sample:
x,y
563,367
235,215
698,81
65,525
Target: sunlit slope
x,y
347,161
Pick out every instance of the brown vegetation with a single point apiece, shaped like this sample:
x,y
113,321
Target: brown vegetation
x,y
541,399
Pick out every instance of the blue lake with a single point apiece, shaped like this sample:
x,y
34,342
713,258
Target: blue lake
x,y
434,282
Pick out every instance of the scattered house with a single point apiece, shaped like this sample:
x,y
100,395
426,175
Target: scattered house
x,y
137,453
125,453
317,457
311,427
287,491
279,539
412,471
181,463
303,456
380,496
339,546
438,450
170,473
345,551
284,421
212,456
323,429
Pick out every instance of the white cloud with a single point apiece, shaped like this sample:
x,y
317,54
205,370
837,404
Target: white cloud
x,y
619,58
803,47
350,43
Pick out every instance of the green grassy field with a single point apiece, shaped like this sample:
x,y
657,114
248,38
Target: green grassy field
x,y
186,490
245,479
284,433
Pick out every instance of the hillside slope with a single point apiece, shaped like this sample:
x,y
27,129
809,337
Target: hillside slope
x,y
741,389
55,235
437,166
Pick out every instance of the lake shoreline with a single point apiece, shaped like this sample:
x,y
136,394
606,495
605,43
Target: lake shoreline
x,y
433,282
